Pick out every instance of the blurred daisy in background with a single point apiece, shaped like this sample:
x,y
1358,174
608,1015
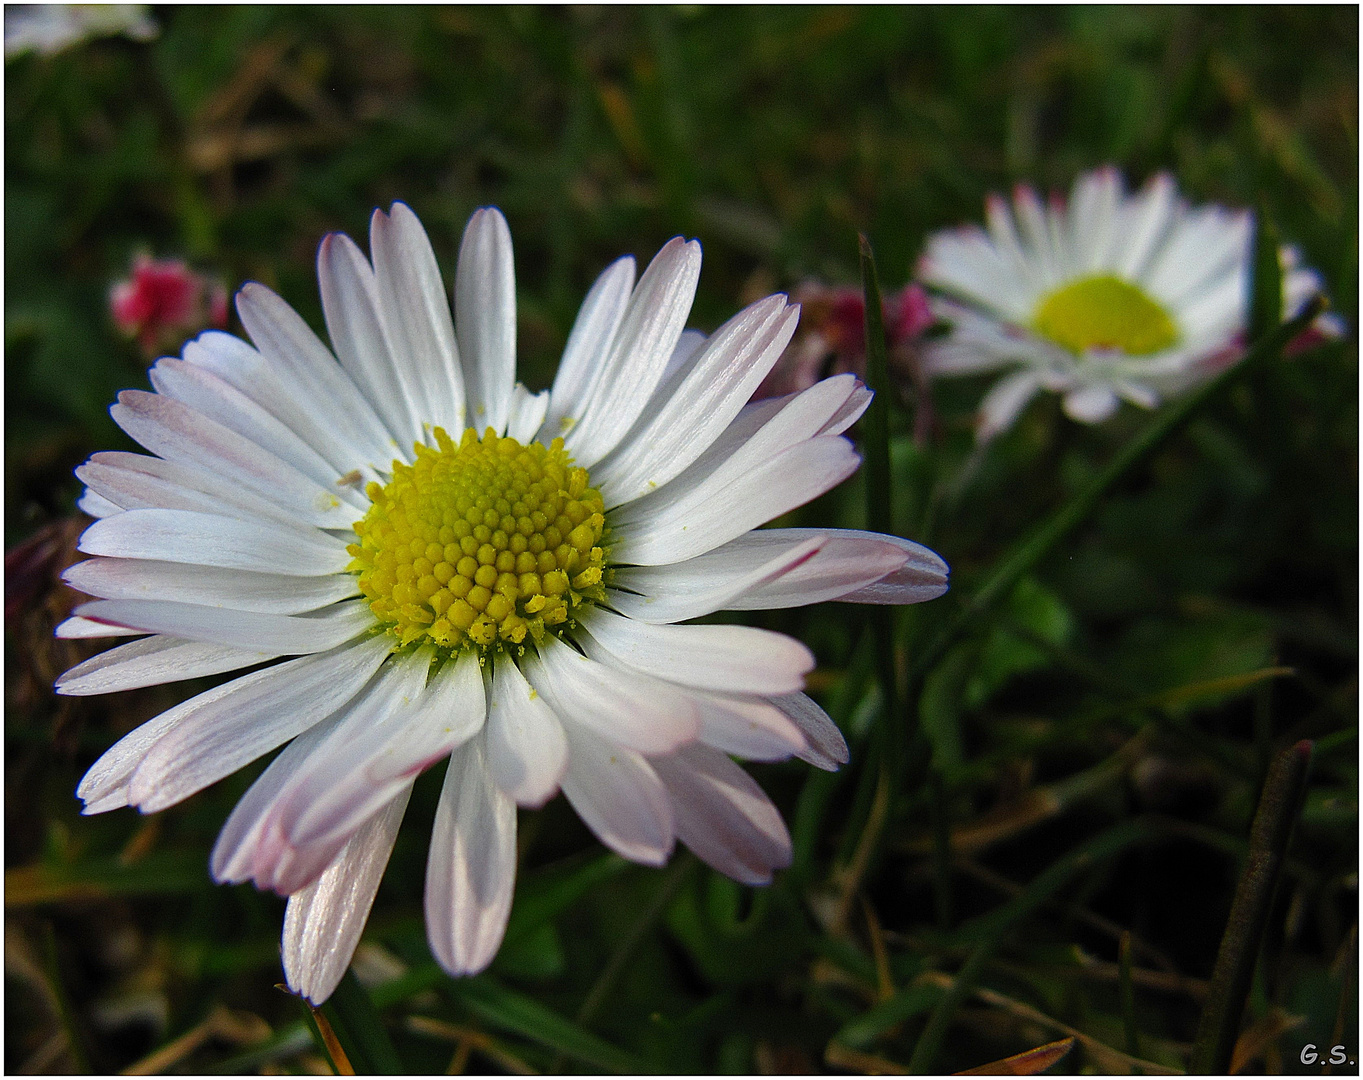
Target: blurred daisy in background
x,y
1106,298
456,568
49,28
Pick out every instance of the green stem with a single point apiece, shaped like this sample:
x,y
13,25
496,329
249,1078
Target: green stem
x,y
1279,806
879,503
1067,518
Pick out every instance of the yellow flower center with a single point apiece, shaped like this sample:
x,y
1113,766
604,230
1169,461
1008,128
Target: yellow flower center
x,y
1105,313
480,544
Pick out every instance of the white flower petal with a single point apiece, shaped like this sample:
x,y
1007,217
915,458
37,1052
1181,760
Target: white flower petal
x,y
684,354
705,398
485,318
184,536
1004,403
322,923
151,661
471,871
416,317
723,816
619,798
285,862
826,749
846,568
527,414
141,482
759,433
729,659
237,849
711,582
174,431
526,748
621,705
281,634
718,512
1091,404
648,333
76,627
96,505
347,440
588,343
207,737
224,404
350,302
748,727
242,590
363,764
289,345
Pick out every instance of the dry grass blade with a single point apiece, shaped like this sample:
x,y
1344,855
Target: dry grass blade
x,y
1108,1059
241,1029
1027,1063
1256,1039
467,1038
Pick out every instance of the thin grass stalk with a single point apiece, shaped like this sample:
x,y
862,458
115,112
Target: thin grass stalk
x,y
1279,806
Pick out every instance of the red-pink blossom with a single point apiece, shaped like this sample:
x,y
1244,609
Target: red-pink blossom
x,y
165,301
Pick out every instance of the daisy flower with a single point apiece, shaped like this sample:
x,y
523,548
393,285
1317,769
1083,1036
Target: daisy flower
x,y
1110,297
421,560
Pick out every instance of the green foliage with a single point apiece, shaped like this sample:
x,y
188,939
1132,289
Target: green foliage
x,y
1142,614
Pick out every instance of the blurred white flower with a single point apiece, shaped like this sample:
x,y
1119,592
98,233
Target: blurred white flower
x,y
50,28
1106,298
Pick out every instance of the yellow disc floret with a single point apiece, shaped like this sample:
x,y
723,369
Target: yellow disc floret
x,y
1105,312
481,544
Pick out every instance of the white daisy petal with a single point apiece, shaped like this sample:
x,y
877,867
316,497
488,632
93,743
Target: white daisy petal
x,y
711,582
281,634
527,413
718,512
729,659
826,748
725,373
289,345
76,627
1091,404
350,302
216,733
209,540
485,318
140,482
289,854
96,505
416,316
223,403
621,705
588,343
364,764
526,747
347,440
1004,403
323,923
723,816
174,431
619,797
472,864
151,661
242,590
748,727
639,352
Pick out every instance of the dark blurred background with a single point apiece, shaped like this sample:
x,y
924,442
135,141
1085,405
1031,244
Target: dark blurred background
x,y
1133,678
